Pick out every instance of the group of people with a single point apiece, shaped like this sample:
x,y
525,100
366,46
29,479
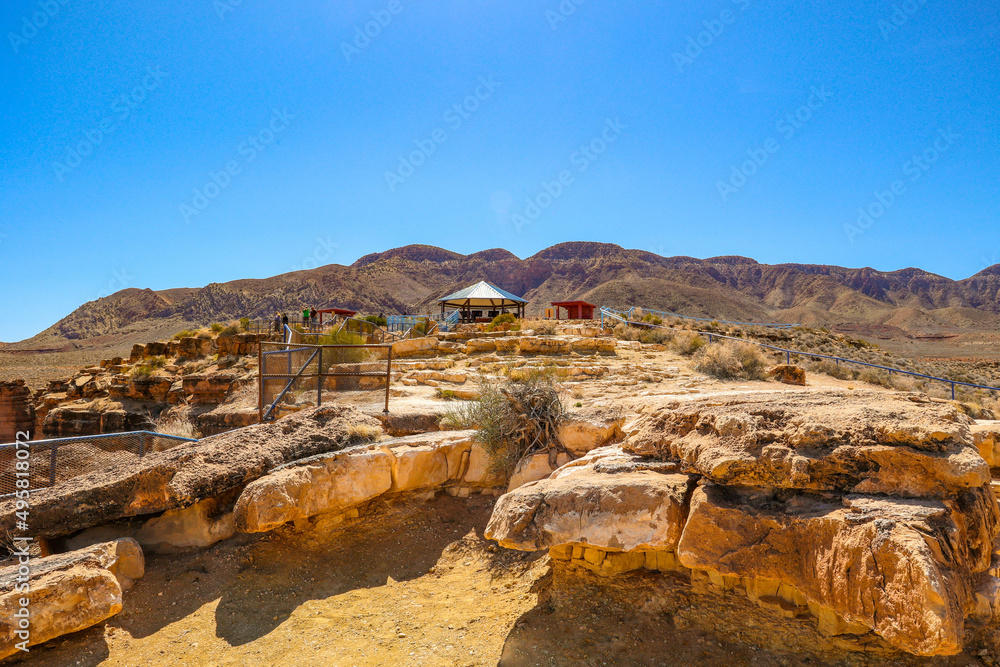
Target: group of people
x,y
281,319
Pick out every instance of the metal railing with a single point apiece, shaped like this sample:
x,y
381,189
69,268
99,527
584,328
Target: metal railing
x,y
55,460
627,314
620,317
292,372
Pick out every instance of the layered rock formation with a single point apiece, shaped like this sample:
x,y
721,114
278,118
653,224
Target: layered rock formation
x,y
17,415
869,512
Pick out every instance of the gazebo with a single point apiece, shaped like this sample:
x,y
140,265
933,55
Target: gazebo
x,y
482,302
575,310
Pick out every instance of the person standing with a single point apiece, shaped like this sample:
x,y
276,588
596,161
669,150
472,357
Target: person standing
x,y
284,320
312,315
277,322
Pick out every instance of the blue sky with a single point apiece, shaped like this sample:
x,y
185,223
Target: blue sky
x,y
167,144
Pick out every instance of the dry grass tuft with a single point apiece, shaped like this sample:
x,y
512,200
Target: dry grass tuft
x,y
731,360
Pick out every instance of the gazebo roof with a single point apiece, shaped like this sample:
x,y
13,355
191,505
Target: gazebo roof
x,y
481,294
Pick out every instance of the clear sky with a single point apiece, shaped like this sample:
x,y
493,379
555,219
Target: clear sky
x,y
177,143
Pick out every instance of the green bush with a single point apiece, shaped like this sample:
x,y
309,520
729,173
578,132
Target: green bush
x,y
375,319
652,319
504,322
216,327
245,323
231,330
186,333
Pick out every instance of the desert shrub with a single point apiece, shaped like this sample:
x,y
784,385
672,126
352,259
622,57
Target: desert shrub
x,y
141,372
543,327
652,319
827,367
459,415
504,322
231,330
245,323
875,377
216,327
625,332
345,355
688,343
514,417
656,336
361,433
730,360
375,319
177,425
186,333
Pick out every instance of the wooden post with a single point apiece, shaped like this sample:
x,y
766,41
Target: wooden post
x,y
319,377
388,379
260,383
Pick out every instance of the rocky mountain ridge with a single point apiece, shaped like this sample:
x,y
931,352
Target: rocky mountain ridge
x,y
410,279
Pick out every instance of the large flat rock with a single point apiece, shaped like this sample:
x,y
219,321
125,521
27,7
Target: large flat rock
x,y
68,592
903,567
854,441
622,511
187,474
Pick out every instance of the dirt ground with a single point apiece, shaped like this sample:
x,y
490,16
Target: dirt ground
x,y
410,584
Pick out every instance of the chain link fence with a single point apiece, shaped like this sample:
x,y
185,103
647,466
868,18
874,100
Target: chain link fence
x,y
49,462
298,375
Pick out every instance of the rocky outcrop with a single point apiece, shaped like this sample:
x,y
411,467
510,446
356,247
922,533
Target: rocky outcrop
x,y
862,442
184,475
101,415
869,513
68,592
901,567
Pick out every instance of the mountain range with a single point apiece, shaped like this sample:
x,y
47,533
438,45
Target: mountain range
x,y
410,279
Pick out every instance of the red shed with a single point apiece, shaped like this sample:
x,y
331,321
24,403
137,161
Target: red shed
x,y
342,312
575,310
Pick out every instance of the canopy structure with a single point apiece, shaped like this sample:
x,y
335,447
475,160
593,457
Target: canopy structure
x,y
342,312
482,302
575,310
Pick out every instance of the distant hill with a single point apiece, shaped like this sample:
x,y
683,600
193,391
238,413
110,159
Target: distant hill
x,y
411,278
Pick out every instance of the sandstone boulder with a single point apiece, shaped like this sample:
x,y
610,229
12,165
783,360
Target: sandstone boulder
x,y
986,436
586,429
902,567
326,483
640,510
866,442
429,460
412,347
788,374
17,415
199,525
69,592
478,471
535,467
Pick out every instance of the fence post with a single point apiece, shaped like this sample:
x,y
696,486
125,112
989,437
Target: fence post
x,y
260,383
953,391
388,378
788,357
319,378
53,451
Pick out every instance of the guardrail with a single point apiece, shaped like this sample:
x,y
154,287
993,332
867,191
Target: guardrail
x,y
666,313
55,460
620,317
